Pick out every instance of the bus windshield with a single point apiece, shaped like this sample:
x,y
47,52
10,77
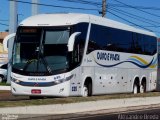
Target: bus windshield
x,y
40,50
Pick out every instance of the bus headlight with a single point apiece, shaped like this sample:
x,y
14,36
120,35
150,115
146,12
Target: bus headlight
x,y
57,81
15,80
60,81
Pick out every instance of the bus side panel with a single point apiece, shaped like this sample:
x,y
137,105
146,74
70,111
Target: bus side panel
x,y
87,72
105,80
75,83
152,80
122,80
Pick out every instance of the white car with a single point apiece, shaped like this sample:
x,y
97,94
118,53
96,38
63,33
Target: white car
x,y
3,73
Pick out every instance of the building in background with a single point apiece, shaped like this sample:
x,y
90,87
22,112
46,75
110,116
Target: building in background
x,y
3,53
2,36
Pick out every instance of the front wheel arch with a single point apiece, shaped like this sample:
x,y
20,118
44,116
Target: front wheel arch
x,y
87,85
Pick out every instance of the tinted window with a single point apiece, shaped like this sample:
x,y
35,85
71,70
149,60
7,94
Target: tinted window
x,y
137,43
120,40
56,37
150,45
111,39
79,43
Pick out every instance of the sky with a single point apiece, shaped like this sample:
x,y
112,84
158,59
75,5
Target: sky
x,y
144,14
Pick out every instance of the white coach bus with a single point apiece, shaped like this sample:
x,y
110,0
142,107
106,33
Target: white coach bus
x,y
81,55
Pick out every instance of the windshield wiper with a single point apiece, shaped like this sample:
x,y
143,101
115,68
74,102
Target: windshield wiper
x,y
40,55
45,63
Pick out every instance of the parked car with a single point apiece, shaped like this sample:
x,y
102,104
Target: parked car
x,y
3,73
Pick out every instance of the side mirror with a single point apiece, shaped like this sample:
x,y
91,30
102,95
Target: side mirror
x,y
5,41
72,40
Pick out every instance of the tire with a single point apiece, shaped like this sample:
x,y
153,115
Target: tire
x,y
85,91
1,79
143,87
89,89
135,89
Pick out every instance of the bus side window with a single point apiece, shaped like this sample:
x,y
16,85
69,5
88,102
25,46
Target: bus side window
x,y
79,44
78,51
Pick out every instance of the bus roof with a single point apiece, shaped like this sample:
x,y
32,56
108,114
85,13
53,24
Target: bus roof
x,y
68,19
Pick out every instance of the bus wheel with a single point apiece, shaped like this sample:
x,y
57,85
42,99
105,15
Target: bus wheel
x,y
143,87
1,78
90,89
87,88
85,91
135,89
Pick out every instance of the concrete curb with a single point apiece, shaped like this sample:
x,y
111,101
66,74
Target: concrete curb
x,y
82,106
5,87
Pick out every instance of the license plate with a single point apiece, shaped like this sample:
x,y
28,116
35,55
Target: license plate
x,y
36,91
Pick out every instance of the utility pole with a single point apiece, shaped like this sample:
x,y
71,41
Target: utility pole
x,y
12,29
104,8
13,17
35,7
